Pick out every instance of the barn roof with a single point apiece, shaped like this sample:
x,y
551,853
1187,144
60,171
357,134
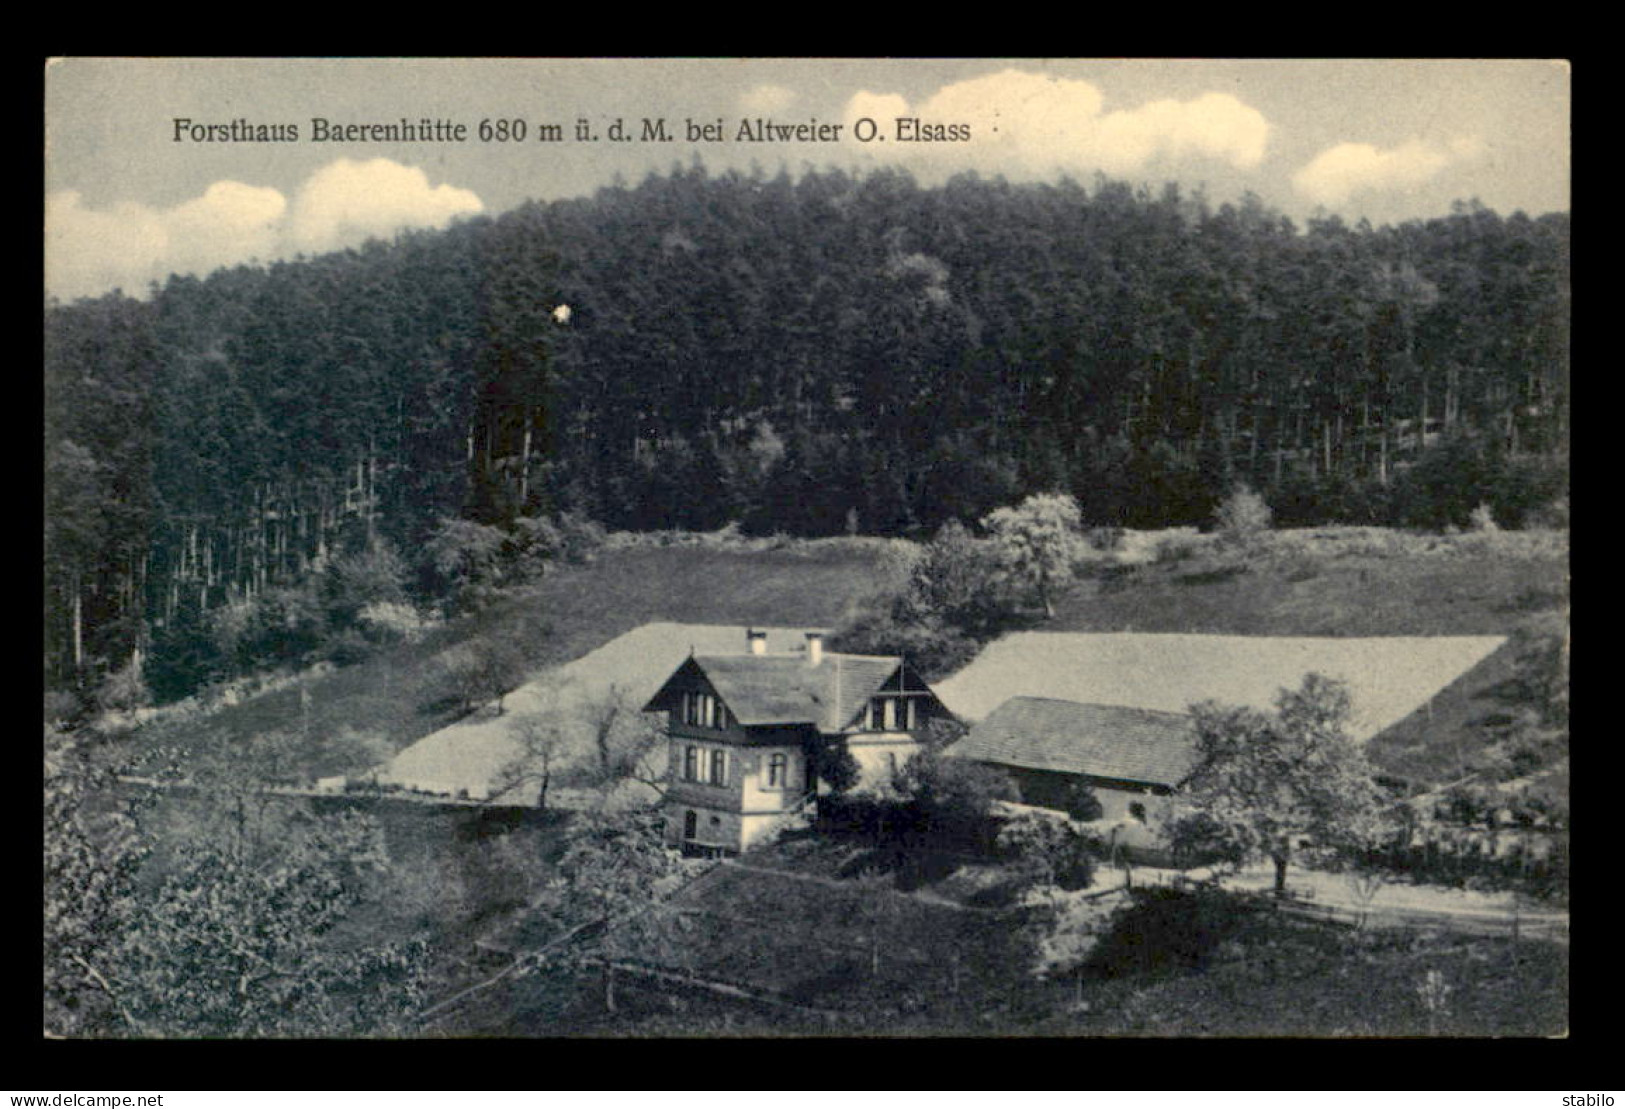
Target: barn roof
x,y
1388,678
1102,741
784,689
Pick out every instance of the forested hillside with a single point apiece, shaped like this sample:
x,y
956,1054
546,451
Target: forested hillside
x,y
817,355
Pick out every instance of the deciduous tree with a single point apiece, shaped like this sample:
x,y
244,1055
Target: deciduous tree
x,y
1266,782
1040,540
233,935
608,901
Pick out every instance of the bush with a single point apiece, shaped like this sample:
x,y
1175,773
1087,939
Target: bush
x,y
1554,514
123,691
1242,517
348,647
1178,548
1049,849
61,707
1165,930
375,574
1107,540
950,800
837,767
385,622
931,647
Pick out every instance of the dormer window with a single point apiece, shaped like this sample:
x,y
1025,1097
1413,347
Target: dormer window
x,y
702,710
891,714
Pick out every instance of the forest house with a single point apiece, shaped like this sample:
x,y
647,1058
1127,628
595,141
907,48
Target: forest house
x,y
749,732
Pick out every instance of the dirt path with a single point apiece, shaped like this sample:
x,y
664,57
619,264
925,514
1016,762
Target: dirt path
x,y
1394,902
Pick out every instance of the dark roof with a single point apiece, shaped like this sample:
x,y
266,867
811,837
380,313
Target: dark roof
x,y
1101,741
783,689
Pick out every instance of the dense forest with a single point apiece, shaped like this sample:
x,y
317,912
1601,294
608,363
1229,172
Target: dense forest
x,y
815,355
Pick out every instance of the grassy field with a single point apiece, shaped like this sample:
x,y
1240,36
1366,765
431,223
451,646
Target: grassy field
x,y
913,963
1352,582
1273,977
1328,581
1313,582
353,715
861,958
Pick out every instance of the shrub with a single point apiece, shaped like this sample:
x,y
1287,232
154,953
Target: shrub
x,y
1049,849
1242,517
123,691
1165,930
1108,540
374,574
931,647
61,706
1482,520
951,799
837,767
348,647
387,622
1174,549
1553,514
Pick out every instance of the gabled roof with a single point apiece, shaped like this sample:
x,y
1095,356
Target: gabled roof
x,y
1388,678
784,689
1101,741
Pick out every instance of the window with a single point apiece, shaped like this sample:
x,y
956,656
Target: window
x,y
719,768
891,714
702,710
778,770
1137,811
691,824
691,764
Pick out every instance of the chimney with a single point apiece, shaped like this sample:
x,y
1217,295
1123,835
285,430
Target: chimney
x,y
757,641
815,648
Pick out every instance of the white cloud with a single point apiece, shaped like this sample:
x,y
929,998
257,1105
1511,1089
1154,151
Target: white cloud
x,y
1028,124
228,223
766,99
1339,172
90,251
347,202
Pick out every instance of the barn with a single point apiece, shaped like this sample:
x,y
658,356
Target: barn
x,y
1130,757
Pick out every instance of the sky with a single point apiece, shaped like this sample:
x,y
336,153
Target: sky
x,y
144,179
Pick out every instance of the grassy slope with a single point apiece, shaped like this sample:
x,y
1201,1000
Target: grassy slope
x,y
1335,584
1356,582
1338,581
402,695
1332,582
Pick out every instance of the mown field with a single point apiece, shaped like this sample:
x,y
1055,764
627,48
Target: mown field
x,y
1353,582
